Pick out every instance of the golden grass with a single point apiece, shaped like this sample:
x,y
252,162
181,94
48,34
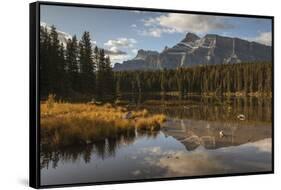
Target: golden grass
x,y
65,124
152,123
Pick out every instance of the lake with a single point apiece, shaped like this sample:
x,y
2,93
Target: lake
x,y
202,136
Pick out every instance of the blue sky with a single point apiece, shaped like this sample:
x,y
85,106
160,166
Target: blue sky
x,y
127,31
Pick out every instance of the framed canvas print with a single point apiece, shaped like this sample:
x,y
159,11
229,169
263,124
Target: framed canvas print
x,y
126,94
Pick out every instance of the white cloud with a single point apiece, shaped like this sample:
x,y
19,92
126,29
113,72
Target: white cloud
x,y
114,47
182,23
156,32
116,55
94,42
133,25
263,38
118,58
264,145
121,42
134,51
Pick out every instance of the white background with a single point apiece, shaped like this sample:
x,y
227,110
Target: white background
x,y
14,76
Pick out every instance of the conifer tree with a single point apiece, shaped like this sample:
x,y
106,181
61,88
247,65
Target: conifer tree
x,y
101,73
72,63
61,72
54,69
109,77
87,66
45,42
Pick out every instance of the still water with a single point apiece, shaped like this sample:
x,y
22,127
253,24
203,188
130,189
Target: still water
x,y
189,144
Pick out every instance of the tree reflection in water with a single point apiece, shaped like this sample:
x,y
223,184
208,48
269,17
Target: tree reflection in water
x,y
101,149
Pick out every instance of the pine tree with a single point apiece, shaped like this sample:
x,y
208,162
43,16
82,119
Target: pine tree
x,y
109,77
101,74
96,57
45,43
72,63
54,69
61,71
87,66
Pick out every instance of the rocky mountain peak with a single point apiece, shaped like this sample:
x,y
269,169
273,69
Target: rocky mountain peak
x,y
193,50
190,37
143,54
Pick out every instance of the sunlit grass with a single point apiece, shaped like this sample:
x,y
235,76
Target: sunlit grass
x,y
152,123
65,124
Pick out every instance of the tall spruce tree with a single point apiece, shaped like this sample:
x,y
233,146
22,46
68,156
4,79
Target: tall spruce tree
x,y
87,66
72,53
101,74
54,67
61,71
45,42
96,57
109,77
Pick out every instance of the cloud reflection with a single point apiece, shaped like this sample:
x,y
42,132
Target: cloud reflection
x,y
255,157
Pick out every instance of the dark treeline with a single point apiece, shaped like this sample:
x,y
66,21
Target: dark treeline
x,y
241,79
75,69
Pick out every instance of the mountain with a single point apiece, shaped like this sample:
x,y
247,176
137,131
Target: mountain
x,y
63,37
145,60
193,50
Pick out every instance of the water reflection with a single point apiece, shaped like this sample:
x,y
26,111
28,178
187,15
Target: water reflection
x,y
163,156
101,149
250,157
193,133
207,108
189,144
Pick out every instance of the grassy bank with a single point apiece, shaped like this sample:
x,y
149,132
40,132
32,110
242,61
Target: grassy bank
x,y
64,124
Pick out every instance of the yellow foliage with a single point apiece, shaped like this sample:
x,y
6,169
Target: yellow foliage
x,y
66,123
152,123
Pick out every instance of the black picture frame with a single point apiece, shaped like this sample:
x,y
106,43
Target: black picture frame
x,y
34,95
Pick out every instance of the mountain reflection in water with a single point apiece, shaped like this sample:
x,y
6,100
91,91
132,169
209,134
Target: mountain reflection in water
x,y
194,133
189,144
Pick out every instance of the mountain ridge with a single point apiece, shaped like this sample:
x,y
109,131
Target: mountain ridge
x,y
193,50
